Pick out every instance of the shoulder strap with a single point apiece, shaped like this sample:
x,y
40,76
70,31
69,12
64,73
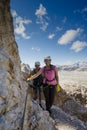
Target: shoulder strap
x,y
34,70
51,68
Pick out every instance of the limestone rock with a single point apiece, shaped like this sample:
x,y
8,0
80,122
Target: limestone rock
x,y
12,89
70,105
17,110
25,69
64,121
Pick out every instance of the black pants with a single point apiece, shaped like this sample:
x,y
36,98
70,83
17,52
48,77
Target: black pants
x,y
37,93
49,93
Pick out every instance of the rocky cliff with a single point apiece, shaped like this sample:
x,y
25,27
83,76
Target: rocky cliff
x,y
12,90
17,109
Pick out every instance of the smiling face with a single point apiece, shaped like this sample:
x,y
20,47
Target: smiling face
x,y
47,62
37,66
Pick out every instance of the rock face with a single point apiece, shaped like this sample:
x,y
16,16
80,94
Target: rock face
x,y
25,69
13,94
71,106
16,104
12,90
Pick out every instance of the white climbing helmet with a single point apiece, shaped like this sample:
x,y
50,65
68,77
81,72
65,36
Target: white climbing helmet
x,y
47,58
37,63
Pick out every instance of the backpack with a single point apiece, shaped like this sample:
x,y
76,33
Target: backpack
x,y
45,71
39,80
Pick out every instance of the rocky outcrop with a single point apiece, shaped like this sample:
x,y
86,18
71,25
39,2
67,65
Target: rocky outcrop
x,y
17,110
12,89
69,105
16,107
80,95
25,69
64,121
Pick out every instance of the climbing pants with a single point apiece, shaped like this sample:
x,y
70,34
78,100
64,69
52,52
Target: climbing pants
x,y
49,94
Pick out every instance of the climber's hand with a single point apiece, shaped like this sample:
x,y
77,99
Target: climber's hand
x,y
29,79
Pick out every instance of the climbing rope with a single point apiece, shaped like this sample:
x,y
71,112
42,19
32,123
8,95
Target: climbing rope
x,y
22,123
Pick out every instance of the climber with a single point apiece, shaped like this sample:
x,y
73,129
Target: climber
x,y
37,82
50,81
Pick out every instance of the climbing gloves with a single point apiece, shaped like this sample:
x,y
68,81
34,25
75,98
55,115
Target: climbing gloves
x,y
58,88
29,79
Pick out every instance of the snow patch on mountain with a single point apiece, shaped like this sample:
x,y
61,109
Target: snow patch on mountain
x,y
25,68
79,66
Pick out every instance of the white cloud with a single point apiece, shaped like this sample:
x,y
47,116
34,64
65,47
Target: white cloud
x,y
20,30
84,10
69,36
14,13
35,49
19,20
58,28
78,46
76,11
64,19
41,11
80,11
19,25
44,27
51,36
42,18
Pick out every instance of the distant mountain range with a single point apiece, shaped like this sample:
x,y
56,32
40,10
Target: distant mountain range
x,y
25,68
79,66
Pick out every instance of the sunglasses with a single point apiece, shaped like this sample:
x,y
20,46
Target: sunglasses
x,y
46,60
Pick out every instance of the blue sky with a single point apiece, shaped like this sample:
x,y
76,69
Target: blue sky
x,y
57,28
